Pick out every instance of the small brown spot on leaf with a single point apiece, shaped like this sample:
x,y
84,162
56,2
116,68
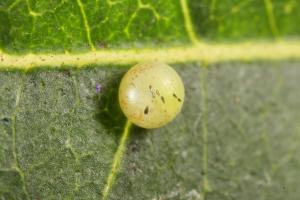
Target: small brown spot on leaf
x,y
67,73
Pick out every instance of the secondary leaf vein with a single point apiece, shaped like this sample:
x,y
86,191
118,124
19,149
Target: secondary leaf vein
x,y
116,161
188,22
86,25
17,166
271,18
205,184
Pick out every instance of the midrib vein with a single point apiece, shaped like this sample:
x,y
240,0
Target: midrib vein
x,y
209,53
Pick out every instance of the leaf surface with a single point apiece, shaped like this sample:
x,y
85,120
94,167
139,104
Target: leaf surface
x,y
237,136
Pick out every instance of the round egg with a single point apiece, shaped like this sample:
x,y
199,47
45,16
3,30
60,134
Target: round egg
x,y
151,94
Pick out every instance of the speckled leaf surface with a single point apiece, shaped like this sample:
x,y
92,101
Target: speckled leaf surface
x,y
237,137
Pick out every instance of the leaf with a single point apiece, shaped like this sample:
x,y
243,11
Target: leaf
x,y
77,25
237,136
240,20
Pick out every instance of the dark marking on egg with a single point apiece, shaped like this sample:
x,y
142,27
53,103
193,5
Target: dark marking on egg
x,y
146,111
153,95
175,96
157,92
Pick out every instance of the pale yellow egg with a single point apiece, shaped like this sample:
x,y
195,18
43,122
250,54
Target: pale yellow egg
x,y
151,94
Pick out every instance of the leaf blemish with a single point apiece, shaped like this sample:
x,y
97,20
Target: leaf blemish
x,y
133,147
67,73
162,99
98,87
5,120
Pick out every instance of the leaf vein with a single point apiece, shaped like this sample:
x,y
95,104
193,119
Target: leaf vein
x,y
116,161
271,18
188,22
275,51
86,25
17,166
205,184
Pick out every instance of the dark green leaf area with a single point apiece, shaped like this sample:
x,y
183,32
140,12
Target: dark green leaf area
x,y
238,131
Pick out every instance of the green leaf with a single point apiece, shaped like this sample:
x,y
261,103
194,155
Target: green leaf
x,y
76,25
246,19
237,136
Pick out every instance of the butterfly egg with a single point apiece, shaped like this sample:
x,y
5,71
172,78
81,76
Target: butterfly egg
x,y
151,94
